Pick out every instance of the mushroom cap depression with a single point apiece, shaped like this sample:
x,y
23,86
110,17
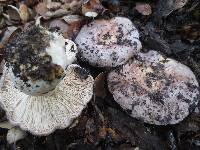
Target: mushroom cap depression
x,y
38,59
41,115
108,43
155,89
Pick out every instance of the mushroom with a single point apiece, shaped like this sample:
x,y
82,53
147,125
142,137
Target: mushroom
x,y
40,89
108,43
155,89
47,56
42,114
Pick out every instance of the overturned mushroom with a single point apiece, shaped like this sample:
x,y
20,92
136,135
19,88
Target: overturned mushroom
x,y
108,43
40,89
155,89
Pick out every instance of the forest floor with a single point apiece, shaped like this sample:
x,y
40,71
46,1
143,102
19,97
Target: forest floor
x,y
168,26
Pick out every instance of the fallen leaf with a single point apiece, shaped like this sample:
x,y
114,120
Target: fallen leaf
x,y
60,25
114,5
2,22
1,9
53,5
91,8
100,90
74,29
166,7
180,3
75,5
41,8
6,125
71,18
1,47
1,71
9,33
31,2
24,13
143,8
102,132
57,13
13,13
190,32
15,134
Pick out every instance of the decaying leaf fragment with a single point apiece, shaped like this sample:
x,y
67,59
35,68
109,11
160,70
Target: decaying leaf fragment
x,y
143,8
24,13
91,8
15,134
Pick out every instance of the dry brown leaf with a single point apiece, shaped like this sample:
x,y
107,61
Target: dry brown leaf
x,y
166,7
143,8
41,8
15,134
75,4
59,24
9,34
180,3
2,22
53,5
71,18
68,30
57,13
1,63
13,13
24,13
190,32
91,8
103,132
1,47
73,29
100,90
31,2
5,124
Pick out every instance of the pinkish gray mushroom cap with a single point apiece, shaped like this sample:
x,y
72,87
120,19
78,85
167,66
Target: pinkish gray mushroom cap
x,y
108,43
155,89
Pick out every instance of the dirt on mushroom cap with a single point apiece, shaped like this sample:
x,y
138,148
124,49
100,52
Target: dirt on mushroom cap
x,y
155,89
108,43
26,54
38,65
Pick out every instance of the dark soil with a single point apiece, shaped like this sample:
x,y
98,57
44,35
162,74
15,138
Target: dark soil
x,y
103,124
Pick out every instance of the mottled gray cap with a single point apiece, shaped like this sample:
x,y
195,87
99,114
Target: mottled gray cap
x,y
108,43
155,89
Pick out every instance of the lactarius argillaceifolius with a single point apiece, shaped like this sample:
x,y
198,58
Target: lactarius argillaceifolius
x,y
155,89
41,90
108,43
